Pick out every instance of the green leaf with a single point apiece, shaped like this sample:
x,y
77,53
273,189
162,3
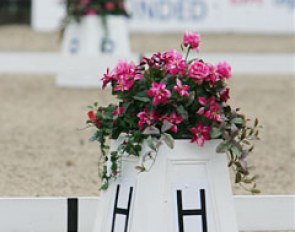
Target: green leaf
x,y
238,121
151,143
168,139
238,177
104,186
151,130
223,147
183,113
166,126
140,168
236,151
141,94
215,133
255,191
191,98
256,122
142,99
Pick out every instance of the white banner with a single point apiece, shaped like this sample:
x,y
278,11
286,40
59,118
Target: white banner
x,y
244,16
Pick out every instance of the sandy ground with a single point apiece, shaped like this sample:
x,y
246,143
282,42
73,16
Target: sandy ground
x,y
22,38
43,152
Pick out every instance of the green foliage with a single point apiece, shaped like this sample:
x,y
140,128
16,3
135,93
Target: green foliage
x,y
238,141
77,9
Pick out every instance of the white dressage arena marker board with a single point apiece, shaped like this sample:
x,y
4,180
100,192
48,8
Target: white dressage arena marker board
x,y
186,189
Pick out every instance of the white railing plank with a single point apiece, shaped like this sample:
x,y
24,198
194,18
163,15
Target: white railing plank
x,y
33,215
39,62
87,213
266,212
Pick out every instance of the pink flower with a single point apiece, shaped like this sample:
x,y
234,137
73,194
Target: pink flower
x,y
175,64
122,5
224,95
109,6
224,69
159,92
174,119
202,100
123,84
214,109
118,111
176,67
147,118
107,78
213,112
172,55
155,61
123,68
92,118
84,2
198,70
213,76
91,11
192,40
123,76
181,89
200,134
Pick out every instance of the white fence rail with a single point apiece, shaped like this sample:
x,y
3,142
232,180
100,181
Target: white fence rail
x,y
86,71
39,62
266,212
59,214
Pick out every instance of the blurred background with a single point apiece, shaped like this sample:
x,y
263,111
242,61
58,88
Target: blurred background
x,y
44,89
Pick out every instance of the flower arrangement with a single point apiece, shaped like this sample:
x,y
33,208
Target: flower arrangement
x,y
79,8
169,96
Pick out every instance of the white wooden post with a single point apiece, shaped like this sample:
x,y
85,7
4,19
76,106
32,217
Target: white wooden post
x,y
187,189
47,15
91,36
87,41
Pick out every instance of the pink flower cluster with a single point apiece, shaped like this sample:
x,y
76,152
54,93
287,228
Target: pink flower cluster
x,y
200,71
175,64
123,76
91,7
170,79
149,119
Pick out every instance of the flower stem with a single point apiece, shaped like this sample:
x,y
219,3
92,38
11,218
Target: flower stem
x,y
187,53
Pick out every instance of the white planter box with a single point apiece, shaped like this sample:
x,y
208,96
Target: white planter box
x,y
88,37
187,189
